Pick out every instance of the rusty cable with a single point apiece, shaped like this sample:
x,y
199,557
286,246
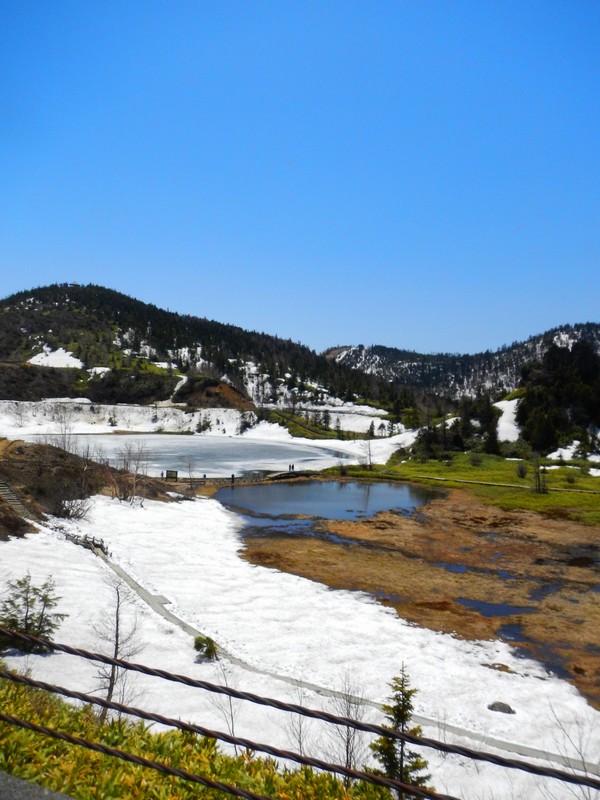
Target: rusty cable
x,y
226,737
380,730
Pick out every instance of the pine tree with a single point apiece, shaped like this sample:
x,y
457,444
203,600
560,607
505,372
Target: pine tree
x,y
28,609
397,761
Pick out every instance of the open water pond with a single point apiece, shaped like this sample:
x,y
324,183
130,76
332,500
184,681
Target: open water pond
x,y
281,507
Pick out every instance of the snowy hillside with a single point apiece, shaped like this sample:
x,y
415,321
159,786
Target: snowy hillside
x,y
456,375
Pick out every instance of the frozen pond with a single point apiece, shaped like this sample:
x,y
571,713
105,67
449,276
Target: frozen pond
x,y
215,456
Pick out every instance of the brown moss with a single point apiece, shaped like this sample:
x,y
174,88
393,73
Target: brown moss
x,y
461,548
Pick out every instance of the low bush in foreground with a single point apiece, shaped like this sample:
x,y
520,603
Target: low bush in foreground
x,y
85,774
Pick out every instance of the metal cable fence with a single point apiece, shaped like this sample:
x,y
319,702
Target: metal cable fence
x,y
287,755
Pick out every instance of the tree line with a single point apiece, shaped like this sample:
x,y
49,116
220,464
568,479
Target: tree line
x,y
561,398
103,327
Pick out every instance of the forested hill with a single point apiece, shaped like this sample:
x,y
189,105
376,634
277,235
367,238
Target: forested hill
x,y
454,375
105,328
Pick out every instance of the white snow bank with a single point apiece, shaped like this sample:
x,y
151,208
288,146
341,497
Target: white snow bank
x,y
68,417
87,417
508,430
56,358
189,553
565,453
569,452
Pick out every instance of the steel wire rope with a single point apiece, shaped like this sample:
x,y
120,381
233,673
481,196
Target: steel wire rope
x,y
226,737
467,752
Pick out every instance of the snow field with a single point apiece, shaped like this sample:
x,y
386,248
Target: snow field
x,y
277,623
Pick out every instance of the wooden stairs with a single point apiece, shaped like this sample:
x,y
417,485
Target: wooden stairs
x,y
13,501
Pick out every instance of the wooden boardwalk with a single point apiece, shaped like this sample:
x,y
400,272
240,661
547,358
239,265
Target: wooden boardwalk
x,y
248,478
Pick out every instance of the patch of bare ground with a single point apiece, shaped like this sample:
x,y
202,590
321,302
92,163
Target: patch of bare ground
x,y
11,524
42,477
537,578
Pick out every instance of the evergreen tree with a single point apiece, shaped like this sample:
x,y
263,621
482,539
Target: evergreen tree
x,y
397,761
491,443
29,609
561,398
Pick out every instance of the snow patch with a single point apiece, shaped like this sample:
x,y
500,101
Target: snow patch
x,y
508,430
60,358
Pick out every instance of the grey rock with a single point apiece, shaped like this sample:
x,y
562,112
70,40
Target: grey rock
x,y
503,708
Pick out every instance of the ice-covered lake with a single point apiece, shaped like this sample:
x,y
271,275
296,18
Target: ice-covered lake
x,y
214,456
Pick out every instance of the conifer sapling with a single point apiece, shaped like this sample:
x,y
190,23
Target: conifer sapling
x,y
397,761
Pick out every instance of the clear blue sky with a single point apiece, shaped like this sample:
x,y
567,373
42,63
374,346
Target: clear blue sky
x,y
411,173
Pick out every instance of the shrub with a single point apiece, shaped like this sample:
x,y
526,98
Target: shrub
x,y
522,469
204,424
86,774
78,508
206,647
29,609
518,449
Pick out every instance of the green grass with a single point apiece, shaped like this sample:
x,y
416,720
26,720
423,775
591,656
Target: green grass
x,y
464,466
137,364
515,394
360,401
495,481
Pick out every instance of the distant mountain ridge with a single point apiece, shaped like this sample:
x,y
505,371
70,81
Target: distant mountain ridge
x,y
136,344
454,375
131,339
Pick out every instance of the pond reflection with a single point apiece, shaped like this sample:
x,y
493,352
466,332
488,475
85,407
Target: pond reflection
x,y
324,499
